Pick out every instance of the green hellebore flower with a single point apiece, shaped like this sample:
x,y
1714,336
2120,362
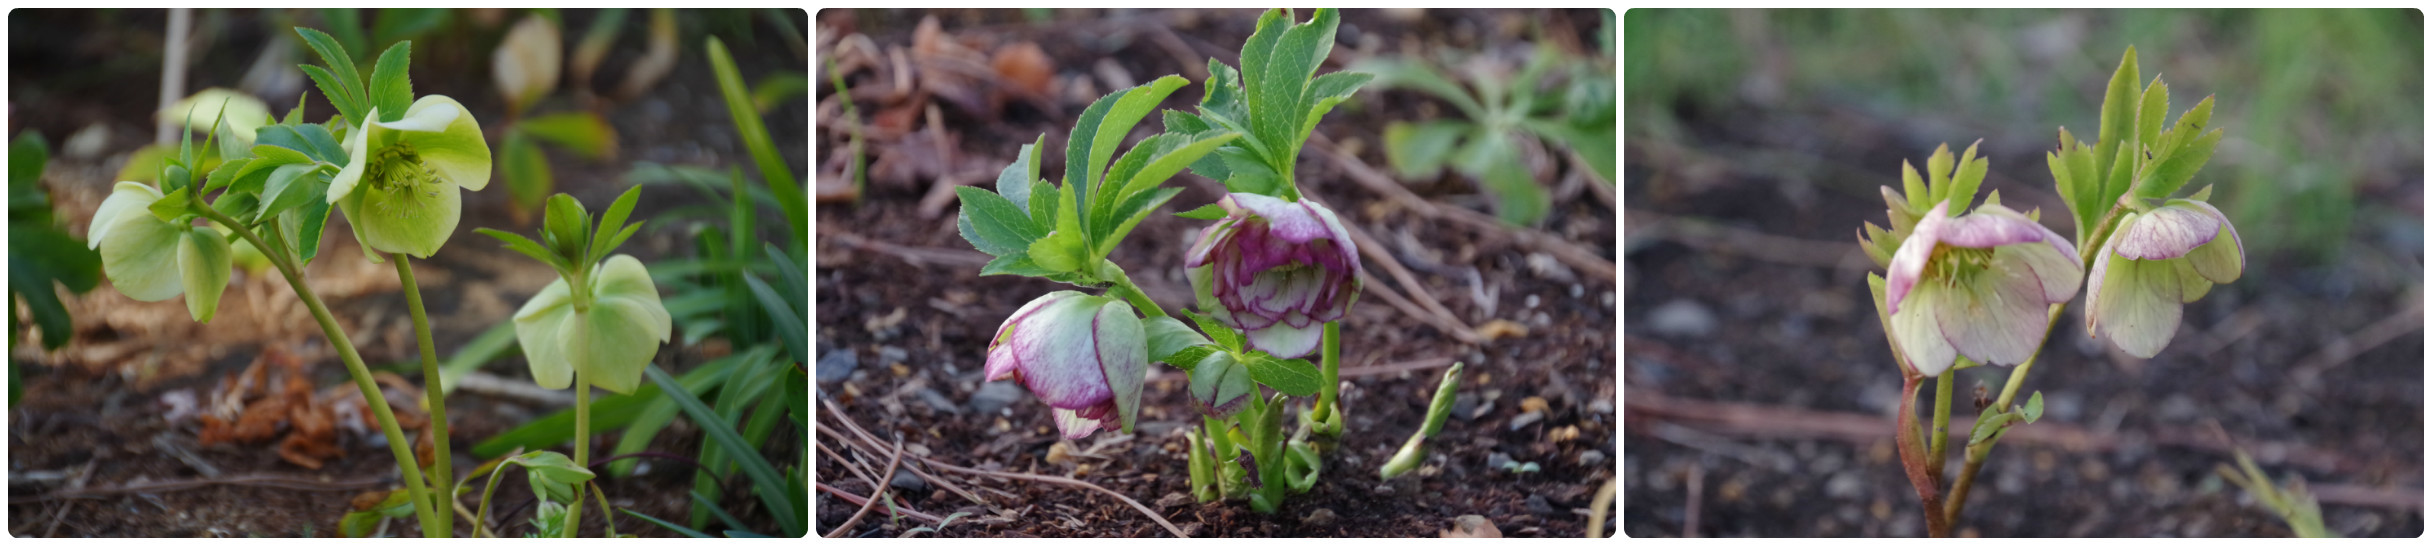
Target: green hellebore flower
x,y
150,259
610,342
1977,285
399,185
2165,257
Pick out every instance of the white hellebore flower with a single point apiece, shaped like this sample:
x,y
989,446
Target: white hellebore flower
x,y
150,259
399,185
1977,285
610,342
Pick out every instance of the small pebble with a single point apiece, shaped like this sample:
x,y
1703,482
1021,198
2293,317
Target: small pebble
x,y
1321,517
1844,486
837,364
891,354
1683,317
1591,457
995,395
1382,489
1173,499
906,480
1526,419
938,401
1497,460
1537,505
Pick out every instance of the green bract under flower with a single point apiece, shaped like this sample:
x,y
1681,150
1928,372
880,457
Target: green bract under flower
x,y
2158,260
399,185
1978,285
609,342
150,259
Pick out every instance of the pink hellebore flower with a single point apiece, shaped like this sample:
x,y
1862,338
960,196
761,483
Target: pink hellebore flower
x,y
1978,285
2156,261
1276,270
1084,356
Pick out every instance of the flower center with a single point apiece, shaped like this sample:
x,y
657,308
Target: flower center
x,y
398,166
1953,264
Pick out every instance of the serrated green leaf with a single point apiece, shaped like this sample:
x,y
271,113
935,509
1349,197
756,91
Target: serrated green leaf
x,y
604,240
1015,264
2080,159
1128,216
392,90
1913,187
1417,150
1217,332
296,115
1177,121
2118,123
1970,176
2123,173
172,205
290,186
341,69
220,177
1250,175
306,225
1043,200
2174,173
333,91
2150,112
312,141
1210,211
1113,189
2067,185
1136,104
2188,127
1276,100
583,133
1014,181
1168,335
1058,251
1324,93
998,227
1077,173
237,205
525,246
1294,377
1938,175
1170,160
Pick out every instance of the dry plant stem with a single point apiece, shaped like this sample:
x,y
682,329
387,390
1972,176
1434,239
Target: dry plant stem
x,y
1376,251
397,444
435,398
848,496
864,473
868,439
880,490
1570,254
256,480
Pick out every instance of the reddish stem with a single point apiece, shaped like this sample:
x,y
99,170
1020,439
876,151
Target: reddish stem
x,y
1912,458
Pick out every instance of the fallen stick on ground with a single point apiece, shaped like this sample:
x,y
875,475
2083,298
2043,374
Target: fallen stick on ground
x,y
857,499
256,480
868,439
1645,407
879,490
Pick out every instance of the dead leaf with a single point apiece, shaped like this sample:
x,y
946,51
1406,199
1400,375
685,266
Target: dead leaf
x,y
1500,328
1025,68
656,63
1471,526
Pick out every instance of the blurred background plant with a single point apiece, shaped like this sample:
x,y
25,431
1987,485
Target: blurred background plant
x,y
40,254
2323,131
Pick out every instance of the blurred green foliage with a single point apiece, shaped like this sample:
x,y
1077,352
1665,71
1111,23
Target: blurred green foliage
x,y
2316,102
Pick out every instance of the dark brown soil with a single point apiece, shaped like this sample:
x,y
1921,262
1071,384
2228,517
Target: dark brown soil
x,y
917,327
93,410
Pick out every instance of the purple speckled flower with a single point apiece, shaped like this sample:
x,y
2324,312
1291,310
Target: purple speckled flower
x,y
1276,270
1084,356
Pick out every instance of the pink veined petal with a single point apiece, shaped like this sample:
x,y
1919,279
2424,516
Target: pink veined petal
x,y
1293,222
2219,261
2062,244
1340,236
1909,263
1073,425
1996,317
2057,272
1920,335
1284,341
1989,228
2094,279
1059,357
2142,312
1002,364
1122,355
1214,236
2167,232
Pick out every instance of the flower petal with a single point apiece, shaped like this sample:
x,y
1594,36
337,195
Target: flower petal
x,y
2192,285
1919,333
626,324
2167,232
1285,341
449,140
415,221
139,256
1059,354
358,147
1908,264
1123,356
203,263
2223,259
2095,279
1072,424
1992,226
540,328
1996,317
1294,222
2058,272
125,198
2141,311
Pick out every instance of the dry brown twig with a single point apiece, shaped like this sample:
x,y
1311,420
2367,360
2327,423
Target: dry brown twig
x,y
869,439
1569,253
881,489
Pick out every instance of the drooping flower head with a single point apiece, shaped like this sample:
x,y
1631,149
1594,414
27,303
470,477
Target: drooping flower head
x,y
151,259
2156,261
1084,356
610,341
399,185
1276,270
1978,285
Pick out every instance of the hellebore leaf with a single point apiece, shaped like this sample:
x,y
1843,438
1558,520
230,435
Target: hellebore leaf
x,y
1077,171
1015,264
1295,377
1217,332
1219,385
290,186
225,173
526,168
1938,176
2118,124
1136,103
1058,251
525,246
1043,199
1970,176
1990,425
1417,150
1189,357
2150,112
612,224
998,227
1913,186
1167,335
1130,213
348,96
2174,173
391,90
1249,173
2035,407
566,227
1123,169
1014,182
305,225
203,263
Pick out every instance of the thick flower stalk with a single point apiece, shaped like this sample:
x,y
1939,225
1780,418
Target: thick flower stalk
x,y
399,185
1979,285
2158,260
1276,270
607,333
1085,356
150,259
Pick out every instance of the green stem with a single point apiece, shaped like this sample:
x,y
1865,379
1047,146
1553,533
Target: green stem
x,y
1941,433
1124,288
435,397
397,444
1977,451
582,446
1330,365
